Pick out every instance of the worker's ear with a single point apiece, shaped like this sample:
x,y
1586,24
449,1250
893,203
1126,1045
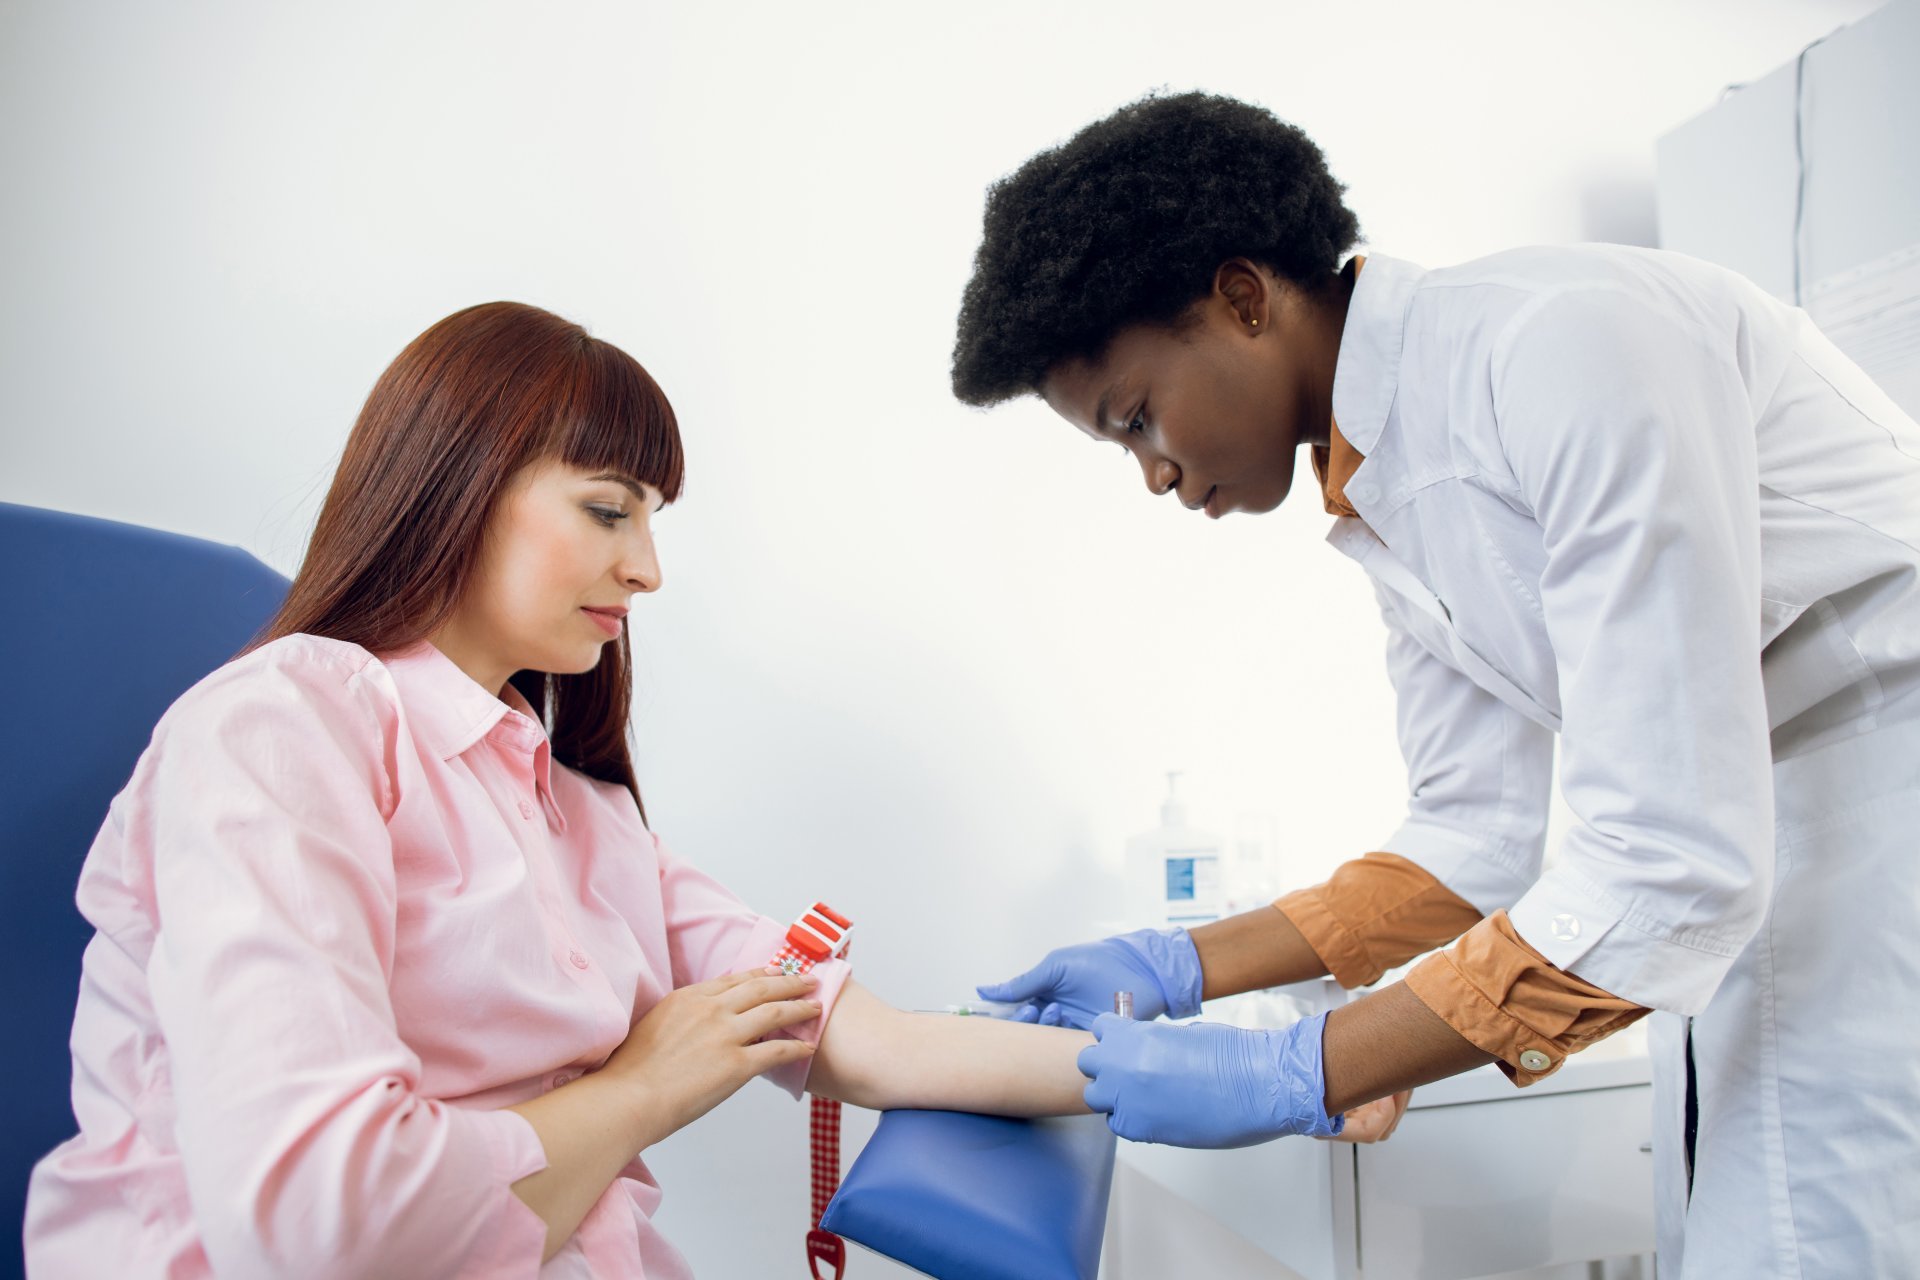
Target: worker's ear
x,y
1241,288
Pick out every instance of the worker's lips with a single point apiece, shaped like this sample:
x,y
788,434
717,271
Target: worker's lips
x,y
1205,504
1213,506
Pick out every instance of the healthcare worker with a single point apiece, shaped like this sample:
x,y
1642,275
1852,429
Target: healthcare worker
x,y
1610,494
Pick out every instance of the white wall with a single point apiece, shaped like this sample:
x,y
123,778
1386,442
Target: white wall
x,y
926,662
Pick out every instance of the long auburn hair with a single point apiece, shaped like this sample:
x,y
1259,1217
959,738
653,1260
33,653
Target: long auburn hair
x,y
470,402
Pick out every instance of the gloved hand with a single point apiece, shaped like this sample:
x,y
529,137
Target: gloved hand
x,y
1074,985
1206,1084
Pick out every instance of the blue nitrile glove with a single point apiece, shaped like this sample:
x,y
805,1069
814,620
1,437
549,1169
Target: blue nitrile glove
x,y
1206,1084
1074,985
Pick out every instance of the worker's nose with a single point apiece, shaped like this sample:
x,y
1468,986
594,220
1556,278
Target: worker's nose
x,y
1161,475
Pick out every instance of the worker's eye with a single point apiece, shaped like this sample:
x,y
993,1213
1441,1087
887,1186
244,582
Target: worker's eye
x,y
1137,425
608,516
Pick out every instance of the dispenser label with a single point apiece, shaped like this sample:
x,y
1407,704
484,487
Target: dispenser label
x,y
1192,876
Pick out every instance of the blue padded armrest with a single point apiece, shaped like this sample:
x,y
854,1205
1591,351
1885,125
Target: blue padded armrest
x,y
966,1197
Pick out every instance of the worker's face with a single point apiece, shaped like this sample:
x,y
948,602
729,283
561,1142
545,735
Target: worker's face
x,y
1215,410
566,549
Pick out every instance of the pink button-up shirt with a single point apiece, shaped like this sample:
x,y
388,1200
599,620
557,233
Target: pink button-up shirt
x,y
347,912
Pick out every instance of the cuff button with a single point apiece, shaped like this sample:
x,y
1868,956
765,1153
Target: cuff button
x,y
1534,1060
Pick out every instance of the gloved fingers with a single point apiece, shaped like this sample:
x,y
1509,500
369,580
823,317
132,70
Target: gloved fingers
x,y
1099,1094
1035,981
1106,1023
1028,1012
1064,1016
1134,1124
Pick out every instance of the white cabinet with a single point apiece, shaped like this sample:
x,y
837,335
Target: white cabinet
x,y
1480,1179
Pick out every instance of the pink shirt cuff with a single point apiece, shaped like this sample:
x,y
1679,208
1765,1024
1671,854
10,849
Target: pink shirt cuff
x,y
762,945
510,1245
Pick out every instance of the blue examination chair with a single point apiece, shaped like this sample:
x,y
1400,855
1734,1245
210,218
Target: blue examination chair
x,y
102,626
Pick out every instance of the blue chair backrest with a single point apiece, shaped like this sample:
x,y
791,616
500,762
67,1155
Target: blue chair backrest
x,y
102,626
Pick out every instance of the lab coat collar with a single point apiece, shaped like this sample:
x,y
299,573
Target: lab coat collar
x,y
1366,374
451,713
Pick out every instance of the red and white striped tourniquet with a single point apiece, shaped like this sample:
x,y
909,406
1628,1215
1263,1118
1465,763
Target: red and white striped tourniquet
x,y
819,933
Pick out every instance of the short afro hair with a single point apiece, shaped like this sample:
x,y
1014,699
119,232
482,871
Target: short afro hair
x,y
1126,223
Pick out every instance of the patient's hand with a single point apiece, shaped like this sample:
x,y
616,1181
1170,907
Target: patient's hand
x,y
1374,1121
697,1046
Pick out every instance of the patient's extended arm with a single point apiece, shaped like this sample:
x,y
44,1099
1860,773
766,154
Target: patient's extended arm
x,y
873,1055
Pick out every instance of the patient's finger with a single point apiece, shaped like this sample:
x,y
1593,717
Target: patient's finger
x,y
760,988
764,1020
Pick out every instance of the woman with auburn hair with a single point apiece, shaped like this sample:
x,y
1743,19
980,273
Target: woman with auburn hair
x,y
390,976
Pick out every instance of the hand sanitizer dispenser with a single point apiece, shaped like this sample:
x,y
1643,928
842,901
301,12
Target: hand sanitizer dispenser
x,y
1173,871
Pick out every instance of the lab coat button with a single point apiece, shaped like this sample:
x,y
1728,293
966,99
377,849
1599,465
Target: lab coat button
x,y
526,809
1534,1060
1365,493
1566,927
577,960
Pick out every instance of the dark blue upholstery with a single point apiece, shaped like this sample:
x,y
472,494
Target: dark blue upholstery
x,y
966,1197
104,625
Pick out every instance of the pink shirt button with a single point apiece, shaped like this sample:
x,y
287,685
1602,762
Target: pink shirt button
x,y
526,809
579,961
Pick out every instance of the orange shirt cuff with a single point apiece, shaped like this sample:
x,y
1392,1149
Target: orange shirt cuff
x,y
1375,913
1510,1001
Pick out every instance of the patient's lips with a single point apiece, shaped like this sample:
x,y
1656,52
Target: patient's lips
x,y
608,616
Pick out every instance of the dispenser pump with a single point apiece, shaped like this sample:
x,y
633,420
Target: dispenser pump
x,y
1172,812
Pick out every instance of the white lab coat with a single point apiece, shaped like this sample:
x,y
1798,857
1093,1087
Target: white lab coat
x,y
1624,496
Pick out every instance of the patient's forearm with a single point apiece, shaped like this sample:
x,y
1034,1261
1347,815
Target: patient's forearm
x,y
873,1055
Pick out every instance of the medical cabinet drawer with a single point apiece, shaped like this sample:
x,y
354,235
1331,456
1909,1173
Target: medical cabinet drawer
x,y
1481,1187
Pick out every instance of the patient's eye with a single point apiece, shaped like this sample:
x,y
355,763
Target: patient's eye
x,y
608,516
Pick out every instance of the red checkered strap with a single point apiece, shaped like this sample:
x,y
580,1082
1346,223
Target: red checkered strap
x,y
820,933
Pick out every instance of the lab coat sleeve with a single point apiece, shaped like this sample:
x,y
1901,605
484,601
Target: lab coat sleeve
x,y
1628,433
1479,775
711,933
307,1144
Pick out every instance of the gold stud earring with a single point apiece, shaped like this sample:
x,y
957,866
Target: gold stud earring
x,y
1254,323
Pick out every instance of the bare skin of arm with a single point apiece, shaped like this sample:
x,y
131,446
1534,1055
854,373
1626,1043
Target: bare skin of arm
x,y
703,1042
873,1055
1252,951
1377,1048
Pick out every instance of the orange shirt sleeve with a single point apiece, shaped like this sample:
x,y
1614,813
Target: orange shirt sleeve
x,y
1376,912
1509,1000
1382,910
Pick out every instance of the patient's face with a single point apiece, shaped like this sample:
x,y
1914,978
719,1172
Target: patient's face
x,y
565,551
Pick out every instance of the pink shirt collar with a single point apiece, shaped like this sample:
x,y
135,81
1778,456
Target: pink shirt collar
x,y
452,713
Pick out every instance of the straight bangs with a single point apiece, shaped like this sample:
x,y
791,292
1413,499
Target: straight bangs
x,y
617,419
453,419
